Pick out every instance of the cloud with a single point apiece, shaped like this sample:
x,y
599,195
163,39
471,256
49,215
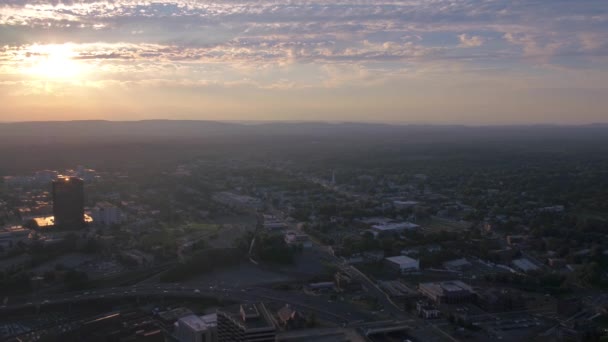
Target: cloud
x,y
470,41
297,42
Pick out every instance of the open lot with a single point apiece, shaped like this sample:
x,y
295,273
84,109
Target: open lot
x,y
245,274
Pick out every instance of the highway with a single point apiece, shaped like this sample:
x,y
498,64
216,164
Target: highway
x,y
336,312
372,288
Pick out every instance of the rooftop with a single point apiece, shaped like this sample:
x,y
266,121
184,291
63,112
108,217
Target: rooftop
x,y
104,205
174,314
286,312
457,263
249,311
405,202
249,316
401,259
395,226
447,286
193,322
210,319
524,264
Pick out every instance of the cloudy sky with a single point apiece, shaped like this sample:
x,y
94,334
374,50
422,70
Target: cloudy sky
x,y
411,61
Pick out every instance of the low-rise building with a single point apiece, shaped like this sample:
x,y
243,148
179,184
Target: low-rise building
x,y
171,316
403,264
503,255
410,251
398,290
552,209
272,223
238,202
106,214
417,250
393,228
330,334
557,262
193,328
525,265
295,239
373,256
496,300
402,205
514,240
457,264
447,292
345,282
426,310
289,317
12,237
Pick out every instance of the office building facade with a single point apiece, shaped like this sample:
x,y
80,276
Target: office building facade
x,y
68,203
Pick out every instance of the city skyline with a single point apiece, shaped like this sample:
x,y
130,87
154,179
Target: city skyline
x,y
432,62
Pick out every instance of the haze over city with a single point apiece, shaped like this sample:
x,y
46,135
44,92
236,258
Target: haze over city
x,y
303,171
442,61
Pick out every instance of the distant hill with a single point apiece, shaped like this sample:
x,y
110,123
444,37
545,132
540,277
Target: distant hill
x,y
114,128
115,145
96,131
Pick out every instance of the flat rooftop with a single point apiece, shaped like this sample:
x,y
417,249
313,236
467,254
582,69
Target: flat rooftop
x,y
447,286
401,259
175,314
194,322
395,226
256,315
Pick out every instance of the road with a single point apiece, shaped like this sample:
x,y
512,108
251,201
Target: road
x,y
336,312
372,288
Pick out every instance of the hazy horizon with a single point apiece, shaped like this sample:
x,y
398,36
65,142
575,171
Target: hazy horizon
x,y
468,62
323,122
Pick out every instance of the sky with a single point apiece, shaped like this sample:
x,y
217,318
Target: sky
x,y
407,61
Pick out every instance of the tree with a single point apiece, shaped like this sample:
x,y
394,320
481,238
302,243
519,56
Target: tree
x,y
92,246
76,280
311,320
272,248
203,261
590,274
49,276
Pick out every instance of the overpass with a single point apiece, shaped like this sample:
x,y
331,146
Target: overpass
x,y
332,313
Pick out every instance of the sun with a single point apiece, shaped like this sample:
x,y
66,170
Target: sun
x,y
53,61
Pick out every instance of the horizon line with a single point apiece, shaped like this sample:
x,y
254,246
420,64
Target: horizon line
x,y
332,122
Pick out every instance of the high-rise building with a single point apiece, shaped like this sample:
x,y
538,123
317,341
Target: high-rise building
x,y
244,323
68,202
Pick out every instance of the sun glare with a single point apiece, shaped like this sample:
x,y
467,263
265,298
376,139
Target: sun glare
x,y
54,61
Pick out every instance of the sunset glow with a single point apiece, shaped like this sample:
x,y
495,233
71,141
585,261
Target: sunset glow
x,y
53,62
444,61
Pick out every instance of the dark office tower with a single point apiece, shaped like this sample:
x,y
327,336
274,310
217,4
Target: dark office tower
x,y
68,203
245,323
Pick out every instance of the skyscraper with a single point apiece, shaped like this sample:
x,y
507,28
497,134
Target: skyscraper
x,y
68,203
